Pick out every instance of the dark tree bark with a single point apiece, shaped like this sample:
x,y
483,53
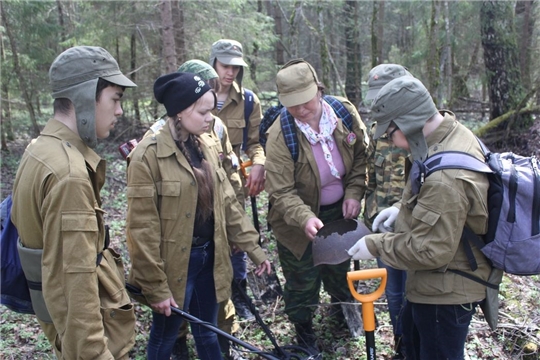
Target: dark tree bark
x,y
433,59
18,71
525,9
500,56
275,13
179,31
353,81
167,36
60,9
133,76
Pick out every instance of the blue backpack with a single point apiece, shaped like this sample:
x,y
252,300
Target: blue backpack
x,y
248,109
512,242
14,290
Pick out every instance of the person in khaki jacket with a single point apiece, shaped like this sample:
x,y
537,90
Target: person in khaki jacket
x,y
181,211
226,57
84,308
325,183
429,221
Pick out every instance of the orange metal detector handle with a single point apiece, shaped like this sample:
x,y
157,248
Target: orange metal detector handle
x,y
368,310
244,166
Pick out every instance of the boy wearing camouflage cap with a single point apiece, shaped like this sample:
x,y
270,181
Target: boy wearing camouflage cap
x,y
58,212
429,223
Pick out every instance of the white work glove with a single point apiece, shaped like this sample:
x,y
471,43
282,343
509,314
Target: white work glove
x,y
360,251
384,222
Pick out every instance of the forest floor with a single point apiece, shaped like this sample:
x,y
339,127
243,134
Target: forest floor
x,y
517,337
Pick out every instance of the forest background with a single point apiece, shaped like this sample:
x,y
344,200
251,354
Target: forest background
x,y
477,58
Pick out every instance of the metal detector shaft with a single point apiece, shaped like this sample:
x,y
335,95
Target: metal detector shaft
x,y
368,310
218,331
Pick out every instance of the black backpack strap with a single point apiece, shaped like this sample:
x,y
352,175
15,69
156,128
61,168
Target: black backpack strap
x,y
468,237
248,109
475,278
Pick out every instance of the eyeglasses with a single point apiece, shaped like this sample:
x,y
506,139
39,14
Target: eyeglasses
x,y
391,133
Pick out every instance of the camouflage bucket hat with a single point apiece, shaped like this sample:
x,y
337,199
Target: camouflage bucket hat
x,y
199,67
381,75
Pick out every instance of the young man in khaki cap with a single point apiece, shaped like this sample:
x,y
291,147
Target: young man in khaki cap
x,y
430,221
58,212
227,59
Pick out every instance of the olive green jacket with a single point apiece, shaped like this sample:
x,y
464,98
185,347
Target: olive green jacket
x,y
294,188
57,208
428,229
162,199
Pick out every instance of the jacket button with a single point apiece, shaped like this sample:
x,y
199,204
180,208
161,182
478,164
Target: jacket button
x,y
188,215
193,183
113,314
179,280
184,248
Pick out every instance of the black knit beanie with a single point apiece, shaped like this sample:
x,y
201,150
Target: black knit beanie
x,y
178,91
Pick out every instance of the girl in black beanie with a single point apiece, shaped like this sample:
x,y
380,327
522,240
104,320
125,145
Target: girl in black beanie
x,y
180,209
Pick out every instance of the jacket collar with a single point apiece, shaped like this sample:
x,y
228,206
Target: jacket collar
x,y
166,146
59,130
443,130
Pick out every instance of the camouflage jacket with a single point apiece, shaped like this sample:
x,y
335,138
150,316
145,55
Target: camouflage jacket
x,y
386,177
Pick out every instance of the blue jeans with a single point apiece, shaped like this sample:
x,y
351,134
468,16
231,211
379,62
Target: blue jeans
x,y
200,301
239,264
395,294
432,332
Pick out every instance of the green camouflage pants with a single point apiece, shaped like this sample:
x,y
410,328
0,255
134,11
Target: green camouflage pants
x,y
303,280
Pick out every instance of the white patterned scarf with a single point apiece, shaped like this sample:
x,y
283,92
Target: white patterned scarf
x,y
327,125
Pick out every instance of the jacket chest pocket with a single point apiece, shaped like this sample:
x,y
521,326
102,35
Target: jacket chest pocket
x,y
235,128
169,197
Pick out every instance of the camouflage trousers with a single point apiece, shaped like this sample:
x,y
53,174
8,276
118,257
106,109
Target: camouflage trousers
x,y
303,280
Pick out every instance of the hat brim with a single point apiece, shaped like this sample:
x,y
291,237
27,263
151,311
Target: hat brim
x,y
298,97
372,93
120,80
232,60
381,129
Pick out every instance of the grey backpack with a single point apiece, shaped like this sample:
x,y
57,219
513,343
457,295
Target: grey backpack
x,y
512,242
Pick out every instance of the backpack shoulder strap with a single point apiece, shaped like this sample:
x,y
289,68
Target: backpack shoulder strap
x,y
454,160
289,132
340,110
248,109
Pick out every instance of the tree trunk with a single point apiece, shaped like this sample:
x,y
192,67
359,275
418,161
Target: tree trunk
x,y
18,71
5,120
500,56
167,35
353,80
433,51
274,12
374,37
133,64
380,32
179,31
445,68
526,9
60,9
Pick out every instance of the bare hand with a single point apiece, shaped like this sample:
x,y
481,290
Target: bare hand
x,y
164,307
264,267
351,208
255,180
312,227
